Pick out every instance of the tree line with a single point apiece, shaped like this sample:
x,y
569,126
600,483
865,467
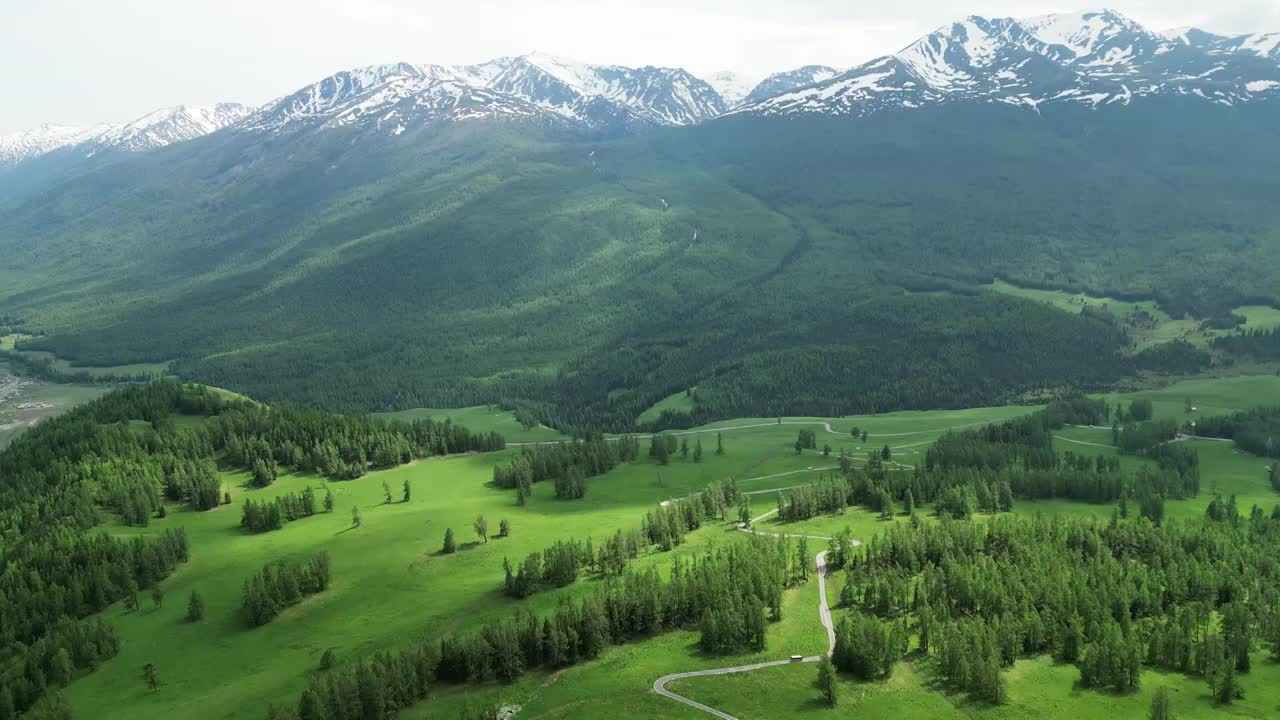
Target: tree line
x,y
264,515
1107,597
744,575
569,464
1255,431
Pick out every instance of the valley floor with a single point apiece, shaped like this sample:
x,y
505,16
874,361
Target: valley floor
x,y
391,586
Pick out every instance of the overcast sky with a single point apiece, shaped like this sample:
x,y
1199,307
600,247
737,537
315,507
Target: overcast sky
x,y
89,61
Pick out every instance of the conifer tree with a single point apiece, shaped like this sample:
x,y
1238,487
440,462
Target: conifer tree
x,y
1160,709
828,684
697,451
355,516
195,607
150,676
719,444
449,545
407,491
328,500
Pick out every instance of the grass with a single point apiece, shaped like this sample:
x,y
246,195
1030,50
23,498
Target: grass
x,y
681,402
1144,319
482,418
390,585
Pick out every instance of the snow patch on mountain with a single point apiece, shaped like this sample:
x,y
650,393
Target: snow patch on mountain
x,y
27,144
733,87
1093,58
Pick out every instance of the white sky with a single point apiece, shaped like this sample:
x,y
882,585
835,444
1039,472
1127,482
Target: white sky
x,y
87,61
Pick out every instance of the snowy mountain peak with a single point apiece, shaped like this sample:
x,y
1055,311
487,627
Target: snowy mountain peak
x,y
785,82
538,85
1081,32
171,125
27,144
733,87
1094,58
153,130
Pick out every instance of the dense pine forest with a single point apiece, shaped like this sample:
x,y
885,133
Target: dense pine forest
x,y
779,286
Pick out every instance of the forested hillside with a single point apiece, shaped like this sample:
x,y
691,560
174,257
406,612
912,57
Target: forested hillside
x,y
124,455
834,268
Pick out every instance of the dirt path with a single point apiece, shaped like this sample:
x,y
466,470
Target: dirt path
x,y
824,616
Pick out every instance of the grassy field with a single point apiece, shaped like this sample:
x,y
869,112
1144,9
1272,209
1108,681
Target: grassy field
x,y
391,586
680,402
1148,324
482,418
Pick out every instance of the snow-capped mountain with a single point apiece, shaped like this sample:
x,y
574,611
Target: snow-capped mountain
x,y
151,131
170,125
536,86
733,87
28,144
1093,58
785,82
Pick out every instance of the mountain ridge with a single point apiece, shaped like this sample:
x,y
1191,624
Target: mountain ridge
x,y
1088,57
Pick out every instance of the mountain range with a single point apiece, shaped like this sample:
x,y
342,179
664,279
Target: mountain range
x,y
1091,58
584,241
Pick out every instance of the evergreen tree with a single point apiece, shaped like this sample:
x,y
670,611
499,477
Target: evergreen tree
x,y
131,594
226,497
909,504
744,510
355,516
195,607
1160,708
407,491
157,597
504,528
386,493
684,448
150,676
449,545
719,444
886,453
697,451
828,684
328,500
327,660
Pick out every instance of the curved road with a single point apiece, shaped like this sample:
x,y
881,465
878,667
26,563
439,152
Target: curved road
x,y
825,425
824,614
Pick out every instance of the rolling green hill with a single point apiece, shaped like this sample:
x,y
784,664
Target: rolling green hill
x,y
791,266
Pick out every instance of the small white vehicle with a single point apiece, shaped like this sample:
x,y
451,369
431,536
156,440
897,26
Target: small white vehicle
x,y
797,658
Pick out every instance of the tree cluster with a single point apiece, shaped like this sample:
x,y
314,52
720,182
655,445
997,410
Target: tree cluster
x,y
261,516
281,584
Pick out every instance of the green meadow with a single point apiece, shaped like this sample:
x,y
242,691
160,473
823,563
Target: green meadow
x,y
391,586
1143,318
